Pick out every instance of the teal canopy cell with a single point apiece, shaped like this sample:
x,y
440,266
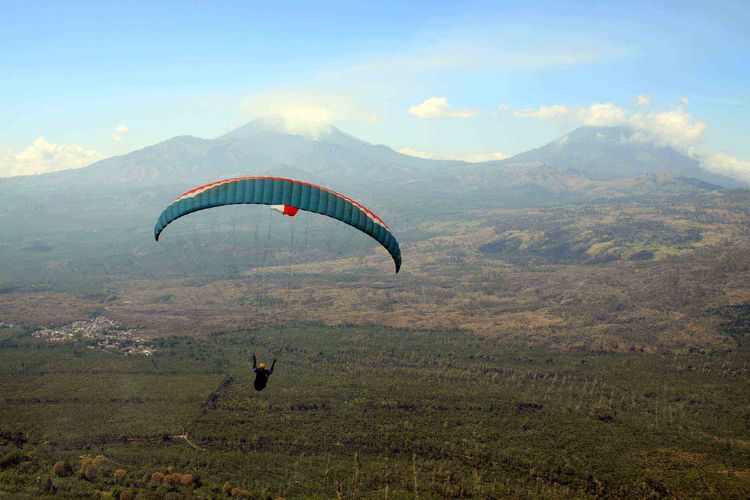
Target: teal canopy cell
x,y
288,194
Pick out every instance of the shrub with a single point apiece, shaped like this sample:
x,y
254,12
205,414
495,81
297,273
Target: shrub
x,y
172,479
119,475
128,494
62,469
188,481
91,468
89,472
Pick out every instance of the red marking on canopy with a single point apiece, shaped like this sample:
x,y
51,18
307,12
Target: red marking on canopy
x,y
285,209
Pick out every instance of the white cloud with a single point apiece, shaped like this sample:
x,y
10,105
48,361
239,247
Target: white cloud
x,y
604,114
642,100
672,127
723,163
119,132
684,100
43,157
468,157
438,107
306,112
595,115
675,127
304,118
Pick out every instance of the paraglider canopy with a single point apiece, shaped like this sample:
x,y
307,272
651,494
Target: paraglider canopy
x,y
286,196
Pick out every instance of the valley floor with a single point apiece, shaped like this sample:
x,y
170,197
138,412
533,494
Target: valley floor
x,y
366,412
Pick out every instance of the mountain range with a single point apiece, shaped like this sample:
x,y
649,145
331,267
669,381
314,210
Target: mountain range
x,y
572,163
587,164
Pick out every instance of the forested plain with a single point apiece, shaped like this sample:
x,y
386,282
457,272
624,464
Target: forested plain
x,y
370,412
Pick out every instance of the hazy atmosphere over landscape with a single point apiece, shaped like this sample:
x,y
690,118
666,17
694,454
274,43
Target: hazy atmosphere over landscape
x,y
563,189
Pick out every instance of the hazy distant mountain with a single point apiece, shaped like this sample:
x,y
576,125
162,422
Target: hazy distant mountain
x,y
257,148
590,162
541,179
615,153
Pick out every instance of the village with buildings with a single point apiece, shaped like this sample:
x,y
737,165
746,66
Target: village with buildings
x,y
99,333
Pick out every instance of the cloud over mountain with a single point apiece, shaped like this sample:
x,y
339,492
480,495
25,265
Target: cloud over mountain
x,y
42,157
119,132
438,107
308,112
674,127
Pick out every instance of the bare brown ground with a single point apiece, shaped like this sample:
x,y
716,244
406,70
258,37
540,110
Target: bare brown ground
x,y
445,283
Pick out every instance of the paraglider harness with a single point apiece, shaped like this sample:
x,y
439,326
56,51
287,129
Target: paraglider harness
x,y
261,374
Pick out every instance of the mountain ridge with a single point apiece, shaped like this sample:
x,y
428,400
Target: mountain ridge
x,y
572,164
617,152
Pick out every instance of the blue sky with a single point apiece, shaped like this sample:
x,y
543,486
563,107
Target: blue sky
x,y
83,80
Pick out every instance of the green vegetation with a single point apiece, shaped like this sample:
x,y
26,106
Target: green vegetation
x,y
371,412
597,235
